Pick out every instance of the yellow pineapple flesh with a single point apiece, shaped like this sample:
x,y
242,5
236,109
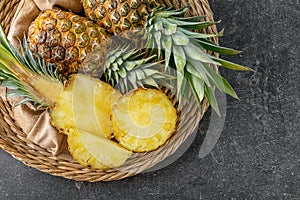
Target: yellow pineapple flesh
x,y
143,120
118,15
96,152
64,38
86,104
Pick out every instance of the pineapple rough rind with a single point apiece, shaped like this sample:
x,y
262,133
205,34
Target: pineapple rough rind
x,y
117,16
64,38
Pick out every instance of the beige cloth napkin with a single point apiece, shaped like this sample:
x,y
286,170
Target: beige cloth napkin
x,y
36,123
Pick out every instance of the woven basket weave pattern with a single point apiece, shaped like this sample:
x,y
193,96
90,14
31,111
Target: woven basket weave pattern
x,y
14,141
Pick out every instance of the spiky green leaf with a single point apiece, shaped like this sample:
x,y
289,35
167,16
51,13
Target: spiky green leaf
x,y
180,39
195,53
191,19
220,82
231,65
167,46
179,58
195,35
180,80
170,28
197,86
191,25
216,48
196,69
158,26
210,95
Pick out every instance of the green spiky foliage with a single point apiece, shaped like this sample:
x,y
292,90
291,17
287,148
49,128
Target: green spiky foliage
x,y
26,76
119,63
128,70
170,35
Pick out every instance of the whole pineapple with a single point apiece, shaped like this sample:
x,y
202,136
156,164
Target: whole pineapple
x,y
64,38
119,15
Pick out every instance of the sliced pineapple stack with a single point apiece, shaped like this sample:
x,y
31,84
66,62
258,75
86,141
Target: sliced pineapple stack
x,y
81,109
83,112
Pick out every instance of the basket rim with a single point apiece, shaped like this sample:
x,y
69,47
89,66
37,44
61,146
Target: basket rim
x,y
13,140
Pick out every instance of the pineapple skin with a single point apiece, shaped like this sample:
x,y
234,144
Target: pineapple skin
x,y
143,120
116,16
64,39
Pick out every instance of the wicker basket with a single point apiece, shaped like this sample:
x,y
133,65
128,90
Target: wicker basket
x,y
13,140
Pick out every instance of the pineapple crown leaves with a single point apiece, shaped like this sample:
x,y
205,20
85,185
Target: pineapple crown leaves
x,y
13,63
126,69
170,35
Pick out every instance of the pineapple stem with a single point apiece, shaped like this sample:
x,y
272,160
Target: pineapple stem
x,y
27,77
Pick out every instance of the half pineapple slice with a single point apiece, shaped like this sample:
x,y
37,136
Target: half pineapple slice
x,y
96,152
73,108
143,120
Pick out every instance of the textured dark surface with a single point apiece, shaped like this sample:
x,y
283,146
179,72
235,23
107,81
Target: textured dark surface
x,y
258,153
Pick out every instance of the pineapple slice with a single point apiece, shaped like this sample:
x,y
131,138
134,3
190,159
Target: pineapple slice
x,y
96,152
143,120
85,104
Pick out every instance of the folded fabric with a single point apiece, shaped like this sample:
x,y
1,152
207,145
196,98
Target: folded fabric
x,y
35,123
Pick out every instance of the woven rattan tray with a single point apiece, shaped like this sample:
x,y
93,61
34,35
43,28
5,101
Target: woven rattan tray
x,y
13,140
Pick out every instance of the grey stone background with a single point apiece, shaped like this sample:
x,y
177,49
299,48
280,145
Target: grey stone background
x,y
258,154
